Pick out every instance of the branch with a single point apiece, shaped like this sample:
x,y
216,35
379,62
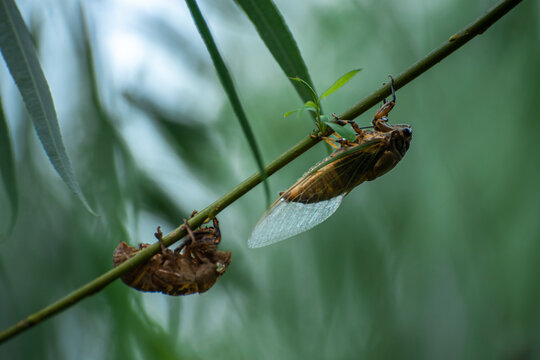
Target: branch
x,y
452,44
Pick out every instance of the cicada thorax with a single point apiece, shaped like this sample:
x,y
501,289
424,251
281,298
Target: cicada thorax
x,y
332,179
373,154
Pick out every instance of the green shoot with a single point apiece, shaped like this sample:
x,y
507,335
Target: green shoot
x,y
321,121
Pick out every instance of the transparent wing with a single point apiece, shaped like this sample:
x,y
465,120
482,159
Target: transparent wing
x,y
285,219
315,196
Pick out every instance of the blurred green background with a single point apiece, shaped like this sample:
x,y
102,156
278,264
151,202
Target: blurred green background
x,y
439,259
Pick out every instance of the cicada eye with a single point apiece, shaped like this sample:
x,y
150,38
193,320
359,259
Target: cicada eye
x,y
407,131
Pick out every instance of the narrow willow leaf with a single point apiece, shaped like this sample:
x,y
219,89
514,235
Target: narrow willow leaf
x,y
227,83
300,111
340,82
7,169
345,132
310,105
278,39
21,59
325,118
309,87
291,112
308,108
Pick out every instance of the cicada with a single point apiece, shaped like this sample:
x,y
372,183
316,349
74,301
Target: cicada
x,y
193,267
320,191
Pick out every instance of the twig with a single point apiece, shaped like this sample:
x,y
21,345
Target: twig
x,y
449,46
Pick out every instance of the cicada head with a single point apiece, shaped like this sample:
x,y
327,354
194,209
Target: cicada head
x,y
401,138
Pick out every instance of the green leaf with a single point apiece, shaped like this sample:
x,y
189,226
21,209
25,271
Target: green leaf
x,y
278,39
228,85
21,59
340,82
310,105
308,108
291,112
325,118
346,132
314,96
300,111
7,169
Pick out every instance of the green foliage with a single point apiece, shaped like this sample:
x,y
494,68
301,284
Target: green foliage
x,y
339,83
20,56
346,132
314,105
7,172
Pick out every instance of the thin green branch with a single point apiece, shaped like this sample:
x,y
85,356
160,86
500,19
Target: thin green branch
x,y
449,46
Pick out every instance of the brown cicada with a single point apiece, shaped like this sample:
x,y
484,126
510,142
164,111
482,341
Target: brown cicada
x,y
193,267
319,192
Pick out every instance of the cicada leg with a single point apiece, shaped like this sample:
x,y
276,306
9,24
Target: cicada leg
x,y
196,212
191,250
218,232
360,133
190,237
159,235
354,125
167,254
380,120
330,141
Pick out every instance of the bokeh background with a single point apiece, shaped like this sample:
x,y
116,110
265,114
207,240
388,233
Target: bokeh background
x,y
439,259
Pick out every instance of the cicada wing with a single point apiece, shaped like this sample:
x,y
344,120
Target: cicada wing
x,y
315,196
287,218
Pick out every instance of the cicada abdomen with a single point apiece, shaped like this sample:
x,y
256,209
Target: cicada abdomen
x,y
319,192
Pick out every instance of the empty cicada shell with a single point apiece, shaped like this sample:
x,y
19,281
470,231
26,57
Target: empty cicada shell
x,y
193,267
